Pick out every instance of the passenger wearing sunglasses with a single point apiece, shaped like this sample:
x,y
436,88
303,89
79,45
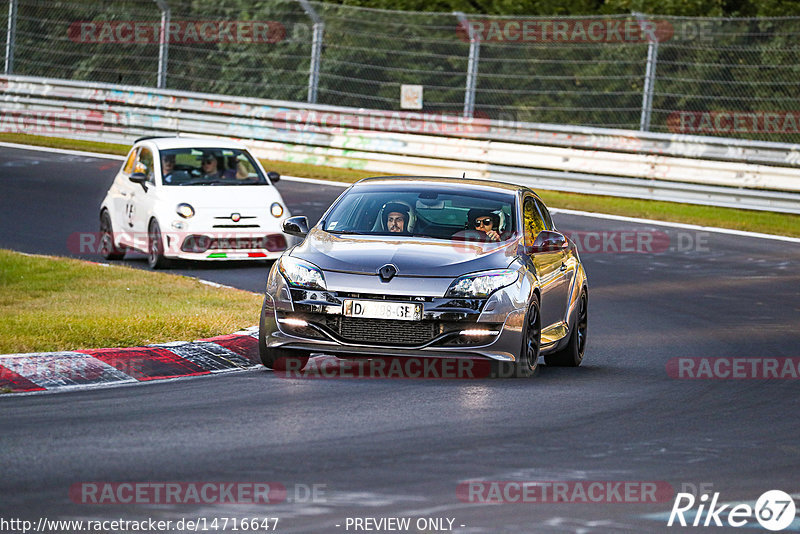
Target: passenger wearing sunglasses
x,y
210,166
485,221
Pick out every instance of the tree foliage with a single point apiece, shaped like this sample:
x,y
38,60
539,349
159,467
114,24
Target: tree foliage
x,y
703,64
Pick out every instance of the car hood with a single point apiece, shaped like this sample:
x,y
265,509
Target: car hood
x,y
221,196
412,256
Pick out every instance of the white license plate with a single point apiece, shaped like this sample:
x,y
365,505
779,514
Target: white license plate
x,y
377,309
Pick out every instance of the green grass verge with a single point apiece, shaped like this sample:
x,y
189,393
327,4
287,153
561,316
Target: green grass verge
x,y
71,144
320,172
768,222
49,304
737,219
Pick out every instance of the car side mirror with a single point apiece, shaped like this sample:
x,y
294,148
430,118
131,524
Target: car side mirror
x,y
548,241
139,178
273,176
296,226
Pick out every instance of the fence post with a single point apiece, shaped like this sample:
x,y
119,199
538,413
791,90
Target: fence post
x,y
472,65
11,35
650,72
163,43
316,50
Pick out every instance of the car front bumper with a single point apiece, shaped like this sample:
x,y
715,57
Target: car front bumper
x,y
312,321
216,246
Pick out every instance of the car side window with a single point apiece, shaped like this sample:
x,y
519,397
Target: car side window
x,y
548,221
128,168
531,220
144,164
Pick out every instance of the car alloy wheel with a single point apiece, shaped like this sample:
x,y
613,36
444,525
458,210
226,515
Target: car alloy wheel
x,y
155,248
107,248
572,354
533,337
582,325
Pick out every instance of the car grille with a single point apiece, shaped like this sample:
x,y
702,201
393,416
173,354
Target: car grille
x,y
272,243
382,331
202,243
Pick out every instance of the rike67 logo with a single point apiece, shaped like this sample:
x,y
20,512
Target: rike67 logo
x,y
774,510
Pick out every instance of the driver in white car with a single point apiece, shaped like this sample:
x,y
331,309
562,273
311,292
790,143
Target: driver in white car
x,y
167,166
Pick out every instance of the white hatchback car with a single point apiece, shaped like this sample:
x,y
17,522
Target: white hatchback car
x,y
194,199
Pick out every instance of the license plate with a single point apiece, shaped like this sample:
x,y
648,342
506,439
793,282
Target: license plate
x,y
377,309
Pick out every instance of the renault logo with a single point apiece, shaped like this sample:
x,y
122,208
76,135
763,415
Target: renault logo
x,y
387,272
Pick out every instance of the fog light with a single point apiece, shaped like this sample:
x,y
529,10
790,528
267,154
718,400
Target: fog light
x,y
196,243
292,321
478,332
276,209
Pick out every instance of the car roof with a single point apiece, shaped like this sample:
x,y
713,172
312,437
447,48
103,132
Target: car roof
x,y
166,143
471,183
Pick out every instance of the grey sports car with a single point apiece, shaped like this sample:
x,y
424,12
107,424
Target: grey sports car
x,y
428,268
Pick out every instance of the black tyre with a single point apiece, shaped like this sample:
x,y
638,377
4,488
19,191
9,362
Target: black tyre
x,y
572,354
528,362
108,250
277,359
155,248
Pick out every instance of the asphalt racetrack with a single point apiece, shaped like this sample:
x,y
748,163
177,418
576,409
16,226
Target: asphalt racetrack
x,y
403,448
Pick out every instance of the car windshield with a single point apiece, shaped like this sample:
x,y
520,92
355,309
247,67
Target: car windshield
x,y
443,212
209,166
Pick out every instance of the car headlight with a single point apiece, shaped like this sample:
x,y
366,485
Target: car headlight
x,y
480,285
301,273
276,209
185,210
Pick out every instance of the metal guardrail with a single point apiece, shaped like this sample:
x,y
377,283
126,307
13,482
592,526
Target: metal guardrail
x,y
700,170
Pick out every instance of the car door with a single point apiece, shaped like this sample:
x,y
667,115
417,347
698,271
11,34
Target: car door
x,y
550,266
143,197
121,195
565,268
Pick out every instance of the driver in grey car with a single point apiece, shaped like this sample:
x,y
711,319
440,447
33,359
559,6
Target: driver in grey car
x,y
396,217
